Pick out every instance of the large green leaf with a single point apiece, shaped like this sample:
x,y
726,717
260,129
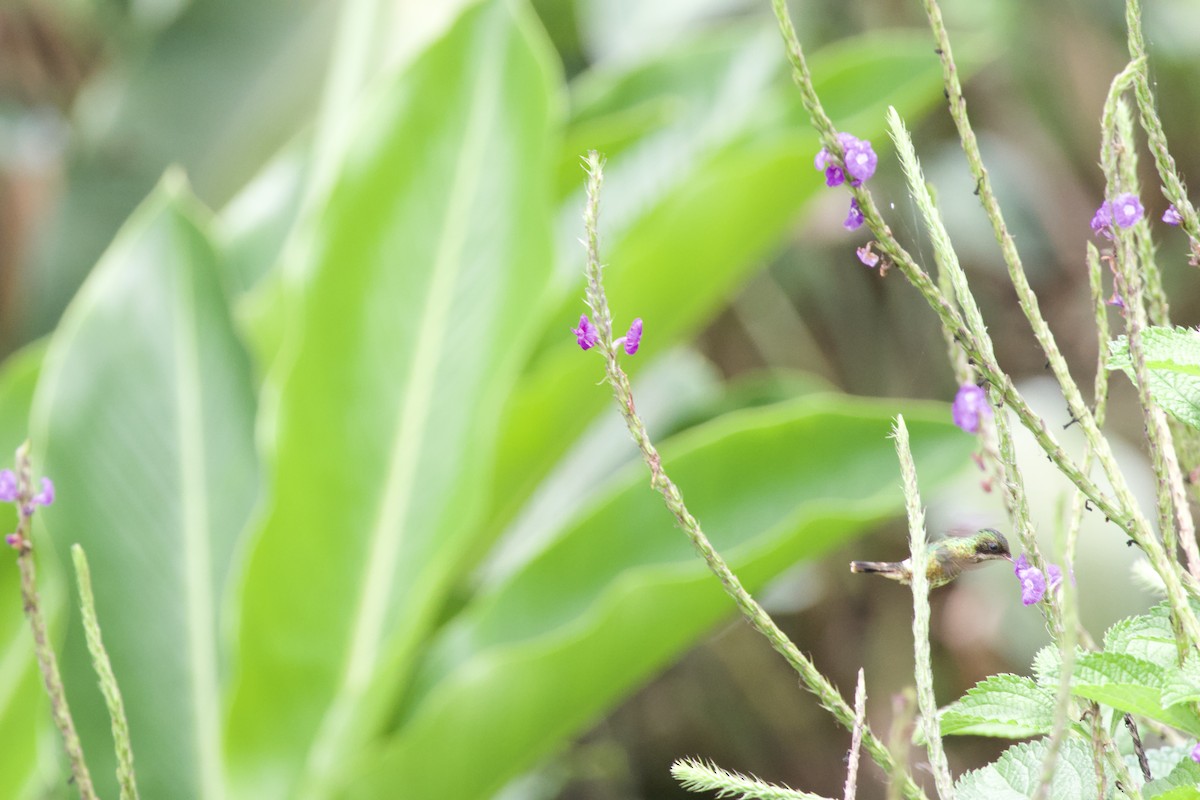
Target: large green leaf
x,y
722,165
144,413
401,341
1016,774
1132,685
621,592
23,706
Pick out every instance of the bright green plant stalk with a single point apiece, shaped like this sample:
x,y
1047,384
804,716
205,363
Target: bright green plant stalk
x,y
1004,456
1175,519
1124,510
850,791
1026,297
47,661
920,591
126,778
698,776
941,304
813,680
1173,187
1127,164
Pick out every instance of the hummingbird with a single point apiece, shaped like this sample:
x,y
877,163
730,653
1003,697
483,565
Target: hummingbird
x,y
945,560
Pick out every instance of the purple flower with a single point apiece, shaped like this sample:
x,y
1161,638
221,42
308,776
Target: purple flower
x,y
860,161
586,336
970,407
1171,217
13,540
634,337
1195,754
1102,220
866,256
1054,573
1127,209
1124,210
46,496
1033,582
1116,300
855,218
8,486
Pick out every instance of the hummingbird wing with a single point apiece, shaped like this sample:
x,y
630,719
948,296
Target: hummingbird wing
x,y
943,567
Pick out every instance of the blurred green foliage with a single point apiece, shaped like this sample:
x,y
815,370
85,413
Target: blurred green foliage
x,y
355,518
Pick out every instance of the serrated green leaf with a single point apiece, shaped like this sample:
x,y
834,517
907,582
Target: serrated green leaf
x,y
1015,775
1132,685
1147,636
1181,783
1182,684
1173,369
1008,706
1161,760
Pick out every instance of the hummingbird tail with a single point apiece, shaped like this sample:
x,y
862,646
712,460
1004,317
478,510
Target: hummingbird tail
x,y
889,568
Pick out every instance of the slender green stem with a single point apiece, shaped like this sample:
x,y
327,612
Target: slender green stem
x,y
1174,515
1172,185
860,719
813,680
47,661
920,591
1029,305
1000,444
126,778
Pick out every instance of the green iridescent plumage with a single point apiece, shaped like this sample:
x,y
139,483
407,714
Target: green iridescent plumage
x,y
946,559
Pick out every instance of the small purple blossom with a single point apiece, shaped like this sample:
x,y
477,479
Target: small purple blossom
x,y
1116,300
1033,582
855,218
866,256
1102,220
1195,754
1172,217
634,337
1127,210
860,160
1054,575
8,486
13,540
46,496
970,408
586,336
1123,211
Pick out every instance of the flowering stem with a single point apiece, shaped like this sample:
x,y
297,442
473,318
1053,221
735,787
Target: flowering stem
x,y
920,591
813,680
108,681
1001,448
1124,511
1174,515
1172,185
47,661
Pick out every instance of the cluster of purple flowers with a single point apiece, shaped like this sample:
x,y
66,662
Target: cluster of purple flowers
x,y
1123,211
586,335
1035,583
860,162
10,492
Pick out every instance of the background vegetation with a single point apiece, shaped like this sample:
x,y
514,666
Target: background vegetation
x,y
213,401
